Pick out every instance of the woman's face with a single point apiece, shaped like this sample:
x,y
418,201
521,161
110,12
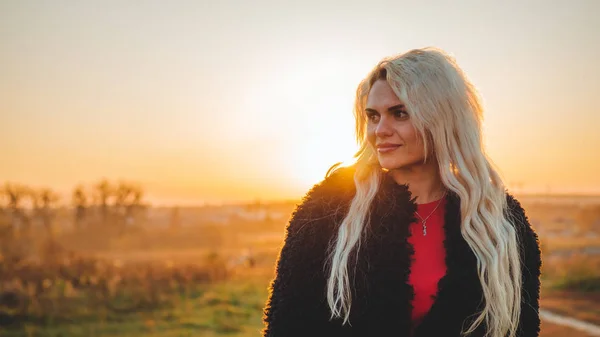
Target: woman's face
x,y
390,130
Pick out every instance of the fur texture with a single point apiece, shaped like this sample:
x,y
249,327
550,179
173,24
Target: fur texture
x,y
381,306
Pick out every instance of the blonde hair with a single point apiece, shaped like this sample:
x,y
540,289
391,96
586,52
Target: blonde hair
x,y
446,111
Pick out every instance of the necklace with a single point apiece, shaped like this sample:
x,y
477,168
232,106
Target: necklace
x,y
424,221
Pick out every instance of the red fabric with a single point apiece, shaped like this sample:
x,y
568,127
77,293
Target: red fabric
x,y
429,263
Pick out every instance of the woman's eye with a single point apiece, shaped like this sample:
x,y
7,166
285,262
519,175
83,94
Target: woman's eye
x,y
373,118
400,114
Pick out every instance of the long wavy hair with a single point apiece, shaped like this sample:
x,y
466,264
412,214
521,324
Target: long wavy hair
x,y
446,110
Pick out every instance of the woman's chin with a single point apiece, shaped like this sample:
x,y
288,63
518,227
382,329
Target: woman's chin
x,y
390,166
393,164
402,162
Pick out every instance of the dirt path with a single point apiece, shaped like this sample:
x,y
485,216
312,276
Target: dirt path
x,y
554,330
554,325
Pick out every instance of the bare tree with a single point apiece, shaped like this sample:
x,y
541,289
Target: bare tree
x,y
36,204
3,208
44,203
49,201
16,195
6,228
122,194
128,202
135,205
103,192
79,201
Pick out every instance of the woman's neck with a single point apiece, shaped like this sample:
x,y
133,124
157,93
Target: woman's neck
x,y
423,181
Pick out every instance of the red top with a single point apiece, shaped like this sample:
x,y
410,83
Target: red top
x,y
428,264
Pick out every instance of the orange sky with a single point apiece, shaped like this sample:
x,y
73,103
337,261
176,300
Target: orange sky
x,y
228,101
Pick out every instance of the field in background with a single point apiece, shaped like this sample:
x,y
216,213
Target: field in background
x,y
120,269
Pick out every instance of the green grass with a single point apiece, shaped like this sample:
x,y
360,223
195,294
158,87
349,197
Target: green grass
x,y
578,273
230,308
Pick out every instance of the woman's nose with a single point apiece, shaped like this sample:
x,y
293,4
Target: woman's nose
x,y
383,128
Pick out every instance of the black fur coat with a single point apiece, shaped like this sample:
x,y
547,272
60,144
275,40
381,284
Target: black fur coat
x,y
381,294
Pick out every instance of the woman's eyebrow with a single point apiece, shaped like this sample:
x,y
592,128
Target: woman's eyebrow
x,y
395,107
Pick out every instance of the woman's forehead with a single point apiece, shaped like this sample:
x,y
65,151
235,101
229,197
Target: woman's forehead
x,y
381,96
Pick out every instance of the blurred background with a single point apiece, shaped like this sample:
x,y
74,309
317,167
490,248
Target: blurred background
x,y
152,152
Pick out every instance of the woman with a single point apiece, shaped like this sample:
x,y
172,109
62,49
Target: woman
x,y
418,237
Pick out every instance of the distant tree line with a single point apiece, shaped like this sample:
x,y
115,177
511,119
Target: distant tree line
x,y
23,208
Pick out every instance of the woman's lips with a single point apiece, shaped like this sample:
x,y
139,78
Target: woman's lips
x,y
387,148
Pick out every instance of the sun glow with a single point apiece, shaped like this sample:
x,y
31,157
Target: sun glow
x,y
309,112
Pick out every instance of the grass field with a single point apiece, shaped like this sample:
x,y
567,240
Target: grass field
x,y
138,299
232,309
206,280
198,305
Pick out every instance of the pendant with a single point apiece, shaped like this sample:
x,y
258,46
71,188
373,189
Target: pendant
x,y
424,228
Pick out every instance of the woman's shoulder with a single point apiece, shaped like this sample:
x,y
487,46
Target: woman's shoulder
x,y
516,213
338,183
325,200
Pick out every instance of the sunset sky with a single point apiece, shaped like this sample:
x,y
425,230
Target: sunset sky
x,y
220,101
